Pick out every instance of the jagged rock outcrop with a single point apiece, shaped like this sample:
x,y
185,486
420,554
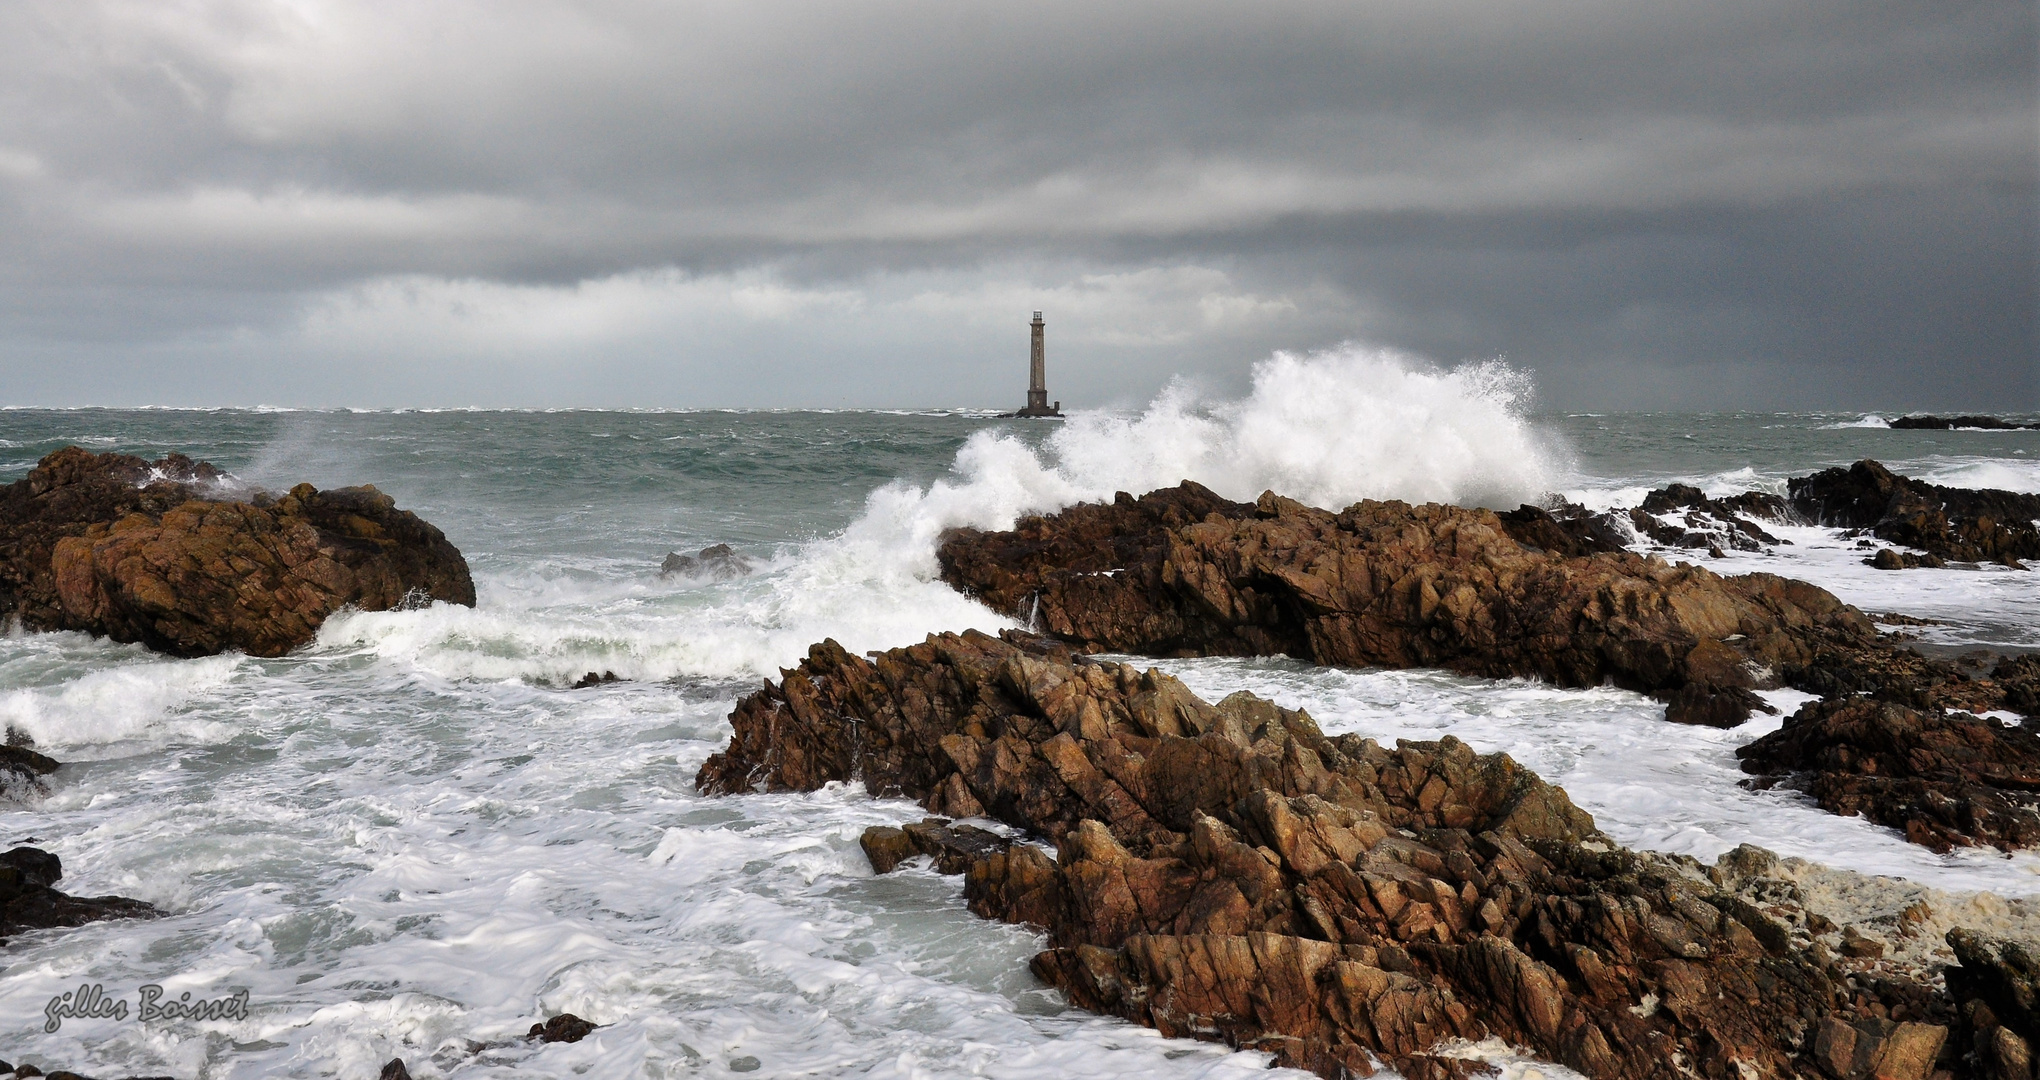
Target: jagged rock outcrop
x,y
1702,522
1965,524
166,554
30,901
1943,778
1181,572
1229,872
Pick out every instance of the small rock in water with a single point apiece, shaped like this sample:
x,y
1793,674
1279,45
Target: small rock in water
x,y
564,1028
394,1070
29,902
1894,559
592,679
22,770
747,1063
719,562
954,847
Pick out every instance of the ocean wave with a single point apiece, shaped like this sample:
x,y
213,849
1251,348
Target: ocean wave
x,y
2022,476
1328,429
142,699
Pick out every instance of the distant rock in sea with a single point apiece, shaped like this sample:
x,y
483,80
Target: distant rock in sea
x,y
172,555
1948,423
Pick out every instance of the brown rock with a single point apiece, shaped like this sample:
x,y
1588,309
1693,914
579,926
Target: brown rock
x,y
954,848
165,554
1228,872
1944,779
1182,572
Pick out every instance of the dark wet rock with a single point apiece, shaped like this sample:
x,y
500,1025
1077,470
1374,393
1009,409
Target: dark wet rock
x,y
1566,529
1701,522
394,1069
952,848
1894,559
1943,779
22,770
1182,572
29,901
169,554
719,562
2018,679
1996,985
594,679
1963,524
1947,423
1714,706
1229,872
564,1028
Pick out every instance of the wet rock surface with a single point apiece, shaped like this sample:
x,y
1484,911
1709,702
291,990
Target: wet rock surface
x,y
22,770
564,1028
717,562
1947,423
1181,572
167,554
1701,522
1965,524
1996,986
30,901
1228,872
1944,779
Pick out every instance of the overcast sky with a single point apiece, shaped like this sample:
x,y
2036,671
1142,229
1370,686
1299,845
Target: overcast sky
x,y
764,203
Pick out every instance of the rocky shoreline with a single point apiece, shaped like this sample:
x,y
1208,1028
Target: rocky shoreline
x,y
172,555
1228,872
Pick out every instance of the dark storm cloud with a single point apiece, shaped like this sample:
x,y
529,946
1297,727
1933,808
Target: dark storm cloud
x,y
1651,204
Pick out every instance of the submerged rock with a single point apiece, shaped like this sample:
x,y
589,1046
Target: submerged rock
x,y
1181,572
1229,872
29,901
164,554
719,562
1945,779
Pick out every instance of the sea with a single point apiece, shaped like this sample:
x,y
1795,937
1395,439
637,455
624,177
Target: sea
x,y
414,839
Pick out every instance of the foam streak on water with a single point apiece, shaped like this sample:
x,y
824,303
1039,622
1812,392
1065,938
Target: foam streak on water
x,y
409,835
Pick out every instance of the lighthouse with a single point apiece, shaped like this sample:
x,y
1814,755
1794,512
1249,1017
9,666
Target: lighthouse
x,y
1037,379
